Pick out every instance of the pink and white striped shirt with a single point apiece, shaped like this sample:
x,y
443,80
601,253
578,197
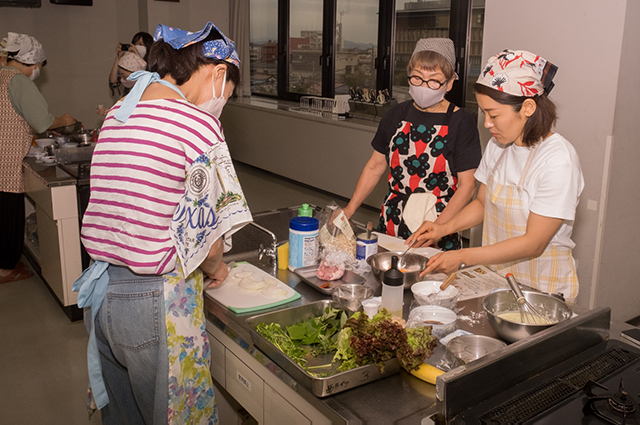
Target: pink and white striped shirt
x,y
138,174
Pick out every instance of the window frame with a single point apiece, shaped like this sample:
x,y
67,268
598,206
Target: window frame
x,y
460,16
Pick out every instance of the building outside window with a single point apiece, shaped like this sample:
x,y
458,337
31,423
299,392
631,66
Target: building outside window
x,y
325,47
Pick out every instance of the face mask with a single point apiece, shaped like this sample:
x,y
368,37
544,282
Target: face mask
x,y
426,97
142,50
127,83
215,104
35,73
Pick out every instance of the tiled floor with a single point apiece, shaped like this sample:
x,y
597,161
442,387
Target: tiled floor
x,y
43,374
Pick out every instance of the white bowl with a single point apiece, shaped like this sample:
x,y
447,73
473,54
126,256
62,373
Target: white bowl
x,y
428,292
441,319
49,159
43,143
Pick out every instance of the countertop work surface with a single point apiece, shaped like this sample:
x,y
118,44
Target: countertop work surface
x,y
49,174
400,398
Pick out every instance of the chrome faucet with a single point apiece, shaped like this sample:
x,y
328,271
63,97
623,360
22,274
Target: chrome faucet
x,y
269,252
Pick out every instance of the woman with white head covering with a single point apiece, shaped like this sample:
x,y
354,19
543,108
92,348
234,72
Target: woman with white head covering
x,y
23,112
530,182
429,147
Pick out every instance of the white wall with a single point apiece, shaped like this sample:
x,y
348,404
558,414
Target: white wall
x,y
80,43
585,39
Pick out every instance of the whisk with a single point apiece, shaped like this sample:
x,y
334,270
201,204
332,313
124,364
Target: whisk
x,y
529,315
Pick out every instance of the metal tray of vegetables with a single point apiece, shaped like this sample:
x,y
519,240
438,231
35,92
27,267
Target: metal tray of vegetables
x,y
307,342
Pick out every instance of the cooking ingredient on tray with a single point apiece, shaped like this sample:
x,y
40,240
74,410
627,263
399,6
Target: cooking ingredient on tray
x,y
427,373
364,341
516,317
356,342
310,336
393,289
328,270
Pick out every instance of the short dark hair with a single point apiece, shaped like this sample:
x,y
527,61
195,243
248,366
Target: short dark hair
x,y
539,124
182,63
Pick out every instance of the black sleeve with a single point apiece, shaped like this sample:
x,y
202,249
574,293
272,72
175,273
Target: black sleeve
x,y
387,128
467,151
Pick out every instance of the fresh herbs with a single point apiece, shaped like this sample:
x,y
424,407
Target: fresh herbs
x,y
314,336
356,342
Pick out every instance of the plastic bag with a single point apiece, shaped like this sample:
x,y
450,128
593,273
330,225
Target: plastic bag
x,y
337,243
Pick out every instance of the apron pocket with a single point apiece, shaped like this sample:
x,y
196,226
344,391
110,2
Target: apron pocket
x,y
133,317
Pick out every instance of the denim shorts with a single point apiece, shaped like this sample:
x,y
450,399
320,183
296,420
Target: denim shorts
x,y
132,338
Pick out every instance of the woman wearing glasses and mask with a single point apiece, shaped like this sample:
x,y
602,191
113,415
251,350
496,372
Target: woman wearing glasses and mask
x,y
431,147
164,194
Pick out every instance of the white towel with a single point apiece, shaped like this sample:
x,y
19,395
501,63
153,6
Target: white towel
x,y
420,207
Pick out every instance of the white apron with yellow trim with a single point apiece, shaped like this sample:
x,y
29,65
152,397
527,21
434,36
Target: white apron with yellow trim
x,y
506,217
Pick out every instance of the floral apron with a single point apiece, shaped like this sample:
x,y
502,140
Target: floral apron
x,y
506,217
417,162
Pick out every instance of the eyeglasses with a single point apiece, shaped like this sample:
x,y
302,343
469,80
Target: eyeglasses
x,y
415,80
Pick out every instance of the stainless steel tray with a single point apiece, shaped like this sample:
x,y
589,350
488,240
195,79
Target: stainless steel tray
x,y
308,276
320,387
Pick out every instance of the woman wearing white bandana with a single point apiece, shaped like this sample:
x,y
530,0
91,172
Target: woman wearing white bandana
x,y
23,113
530,178
164,193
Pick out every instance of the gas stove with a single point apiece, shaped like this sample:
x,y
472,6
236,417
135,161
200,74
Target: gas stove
x,y
599,386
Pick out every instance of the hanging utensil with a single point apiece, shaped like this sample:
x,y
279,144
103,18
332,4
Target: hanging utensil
x,y
528,313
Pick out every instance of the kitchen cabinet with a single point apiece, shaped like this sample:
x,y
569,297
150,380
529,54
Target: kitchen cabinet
x,y
53,193
256,388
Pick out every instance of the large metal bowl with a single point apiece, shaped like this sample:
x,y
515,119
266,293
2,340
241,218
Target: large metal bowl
x,y
412,265
500,302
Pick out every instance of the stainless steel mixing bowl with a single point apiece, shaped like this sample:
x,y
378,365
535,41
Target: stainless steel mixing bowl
x,y
412,265
500,302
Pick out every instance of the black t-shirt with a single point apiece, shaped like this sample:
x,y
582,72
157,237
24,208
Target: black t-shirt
x,y
463,148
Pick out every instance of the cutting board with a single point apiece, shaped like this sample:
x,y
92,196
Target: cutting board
x,y
240,300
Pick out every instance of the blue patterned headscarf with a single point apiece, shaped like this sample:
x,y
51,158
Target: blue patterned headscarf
x,y
222,48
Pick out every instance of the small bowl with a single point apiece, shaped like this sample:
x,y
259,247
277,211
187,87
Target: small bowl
x,y
350,295
499,302
467,348
412,265
428,292
49,159
43,143
441,319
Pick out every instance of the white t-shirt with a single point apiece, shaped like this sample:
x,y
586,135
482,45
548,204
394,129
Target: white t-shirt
x,y
554,182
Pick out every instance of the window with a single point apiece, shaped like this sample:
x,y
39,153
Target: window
x,y
324,47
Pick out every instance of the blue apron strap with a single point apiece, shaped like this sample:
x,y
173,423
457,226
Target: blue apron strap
x,y
92,289
143,78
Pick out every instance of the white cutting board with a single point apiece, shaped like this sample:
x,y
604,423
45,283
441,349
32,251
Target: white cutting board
x,y
240,300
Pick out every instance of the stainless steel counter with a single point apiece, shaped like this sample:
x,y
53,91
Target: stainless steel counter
x,y
49,174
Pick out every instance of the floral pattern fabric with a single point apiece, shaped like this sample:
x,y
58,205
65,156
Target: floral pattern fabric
x,y
417,164
191,396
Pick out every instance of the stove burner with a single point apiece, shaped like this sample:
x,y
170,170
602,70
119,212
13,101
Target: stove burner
x,y
610,407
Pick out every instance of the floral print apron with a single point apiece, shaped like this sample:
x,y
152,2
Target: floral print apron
x,y
417,163
506,217
191,397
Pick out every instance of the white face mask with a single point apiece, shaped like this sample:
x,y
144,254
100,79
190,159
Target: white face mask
x,y
426,97
142,50
127,83
35,73
215,104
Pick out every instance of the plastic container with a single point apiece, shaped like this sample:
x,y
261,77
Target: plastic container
x,y
393,289
303,242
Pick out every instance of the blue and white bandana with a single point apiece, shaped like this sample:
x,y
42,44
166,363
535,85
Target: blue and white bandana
x,y
222,48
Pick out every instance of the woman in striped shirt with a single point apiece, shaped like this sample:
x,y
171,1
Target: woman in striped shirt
x,y
163,195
